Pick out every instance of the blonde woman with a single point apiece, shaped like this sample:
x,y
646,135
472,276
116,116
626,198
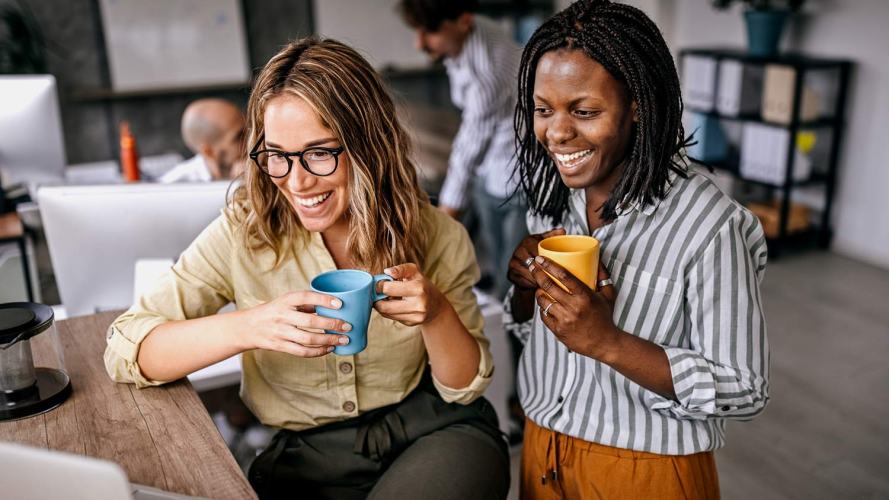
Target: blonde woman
x,y
331,186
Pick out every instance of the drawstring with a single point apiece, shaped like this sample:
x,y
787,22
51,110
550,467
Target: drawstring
x,y
552,458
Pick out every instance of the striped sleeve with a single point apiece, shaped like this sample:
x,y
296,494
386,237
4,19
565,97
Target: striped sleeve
x,y
536,225
724,373
485,99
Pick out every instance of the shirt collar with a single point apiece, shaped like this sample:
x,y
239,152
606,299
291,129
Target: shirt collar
x,y
577,203
462,59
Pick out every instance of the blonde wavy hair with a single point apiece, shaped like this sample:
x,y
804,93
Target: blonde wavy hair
x,y
385,198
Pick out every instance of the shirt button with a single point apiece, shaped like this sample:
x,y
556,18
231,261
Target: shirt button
x,y
348,407
346,368
560,399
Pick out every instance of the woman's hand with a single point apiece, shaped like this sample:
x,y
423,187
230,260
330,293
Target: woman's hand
x,y
581,318
518,272
413,299
288,324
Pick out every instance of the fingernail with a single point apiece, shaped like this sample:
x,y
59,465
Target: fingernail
x,y
331,348
344,340
539,259
335,303
346,327
531,267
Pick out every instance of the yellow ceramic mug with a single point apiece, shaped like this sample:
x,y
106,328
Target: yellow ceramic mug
x,y
577,253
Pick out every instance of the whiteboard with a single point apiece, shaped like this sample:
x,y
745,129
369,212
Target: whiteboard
x,y
373,27
162,44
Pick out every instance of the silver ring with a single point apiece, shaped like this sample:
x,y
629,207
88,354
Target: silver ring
x,y
546,309
529,261
605,282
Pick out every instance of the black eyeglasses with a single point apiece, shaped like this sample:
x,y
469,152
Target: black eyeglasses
x,y
278,164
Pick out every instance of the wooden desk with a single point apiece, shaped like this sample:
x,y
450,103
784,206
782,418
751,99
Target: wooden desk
x,y
161,436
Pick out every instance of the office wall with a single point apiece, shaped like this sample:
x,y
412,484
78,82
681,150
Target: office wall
x,y
853,29
373,27
78,60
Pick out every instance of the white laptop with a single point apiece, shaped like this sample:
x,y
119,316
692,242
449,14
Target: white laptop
x,y
28,473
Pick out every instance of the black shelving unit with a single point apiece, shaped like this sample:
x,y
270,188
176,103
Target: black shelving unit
x,y
801,64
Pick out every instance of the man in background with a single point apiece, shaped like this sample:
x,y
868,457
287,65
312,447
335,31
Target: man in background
x,y
482,65
213,129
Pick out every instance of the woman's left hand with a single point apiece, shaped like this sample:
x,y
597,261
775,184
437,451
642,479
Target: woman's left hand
x,y
581,318
413,299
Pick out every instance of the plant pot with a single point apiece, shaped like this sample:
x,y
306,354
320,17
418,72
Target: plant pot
x,y
764,28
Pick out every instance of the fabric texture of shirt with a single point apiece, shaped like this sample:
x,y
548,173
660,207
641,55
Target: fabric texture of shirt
x,y
687,274
193,169
288,391
483,86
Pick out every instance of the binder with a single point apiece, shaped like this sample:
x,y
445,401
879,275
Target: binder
x,y
764,155
711,146
740,88
777,96
699,81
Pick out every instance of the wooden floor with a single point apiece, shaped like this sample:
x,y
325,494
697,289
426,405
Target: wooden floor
x,y
825,433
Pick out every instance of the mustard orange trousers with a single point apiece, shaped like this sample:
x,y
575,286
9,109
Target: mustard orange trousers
x,y
556,467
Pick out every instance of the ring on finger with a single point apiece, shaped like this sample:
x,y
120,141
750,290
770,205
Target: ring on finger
x,y
546,309
529,261
605,282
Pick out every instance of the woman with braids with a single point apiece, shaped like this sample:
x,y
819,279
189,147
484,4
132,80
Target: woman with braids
x,y
627,388
332,186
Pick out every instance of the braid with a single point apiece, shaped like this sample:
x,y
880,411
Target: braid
x,y
629,45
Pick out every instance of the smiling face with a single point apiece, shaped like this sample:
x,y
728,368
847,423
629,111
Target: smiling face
x,y
583,116
321,203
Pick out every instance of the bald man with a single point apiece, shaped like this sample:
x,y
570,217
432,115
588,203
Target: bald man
x,y
213,129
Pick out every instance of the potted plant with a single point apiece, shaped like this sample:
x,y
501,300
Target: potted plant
x,y
765,20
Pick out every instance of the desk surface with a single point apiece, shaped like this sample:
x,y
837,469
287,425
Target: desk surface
x,y
161,436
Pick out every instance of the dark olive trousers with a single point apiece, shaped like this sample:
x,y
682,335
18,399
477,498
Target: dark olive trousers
x,y
421,448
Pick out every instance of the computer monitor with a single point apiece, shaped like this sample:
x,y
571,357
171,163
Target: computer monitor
x,y
95,235
32,148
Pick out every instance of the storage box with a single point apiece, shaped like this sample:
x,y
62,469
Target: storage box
x,y
764,155
769,215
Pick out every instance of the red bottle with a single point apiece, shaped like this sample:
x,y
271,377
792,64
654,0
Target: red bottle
x,y
129,155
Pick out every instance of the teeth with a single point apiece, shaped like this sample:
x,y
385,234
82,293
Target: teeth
x,y
315,200
573,156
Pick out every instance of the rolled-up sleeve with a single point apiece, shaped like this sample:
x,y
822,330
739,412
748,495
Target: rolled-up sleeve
x,y
724,373
486,101
454,270
197,285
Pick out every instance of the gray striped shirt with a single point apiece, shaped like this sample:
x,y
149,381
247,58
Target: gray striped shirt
x,y
483,85
687,275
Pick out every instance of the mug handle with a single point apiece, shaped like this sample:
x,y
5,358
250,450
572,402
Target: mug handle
x,y
378,278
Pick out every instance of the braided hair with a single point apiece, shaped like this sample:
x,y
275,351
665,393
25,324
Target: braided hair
x,y
629,45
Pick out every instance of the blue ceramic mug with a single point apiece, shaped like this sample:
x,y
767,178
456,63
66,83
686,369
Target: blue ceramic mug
x,y
357,290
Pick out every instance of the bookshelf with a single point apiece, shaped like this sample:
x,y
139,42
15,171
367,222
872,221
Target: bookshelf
x,y
829,120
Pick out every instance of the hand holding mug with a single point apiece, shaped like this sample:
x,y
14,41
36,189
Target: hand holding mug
x,y
580,317
414,300
285,325
518,272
